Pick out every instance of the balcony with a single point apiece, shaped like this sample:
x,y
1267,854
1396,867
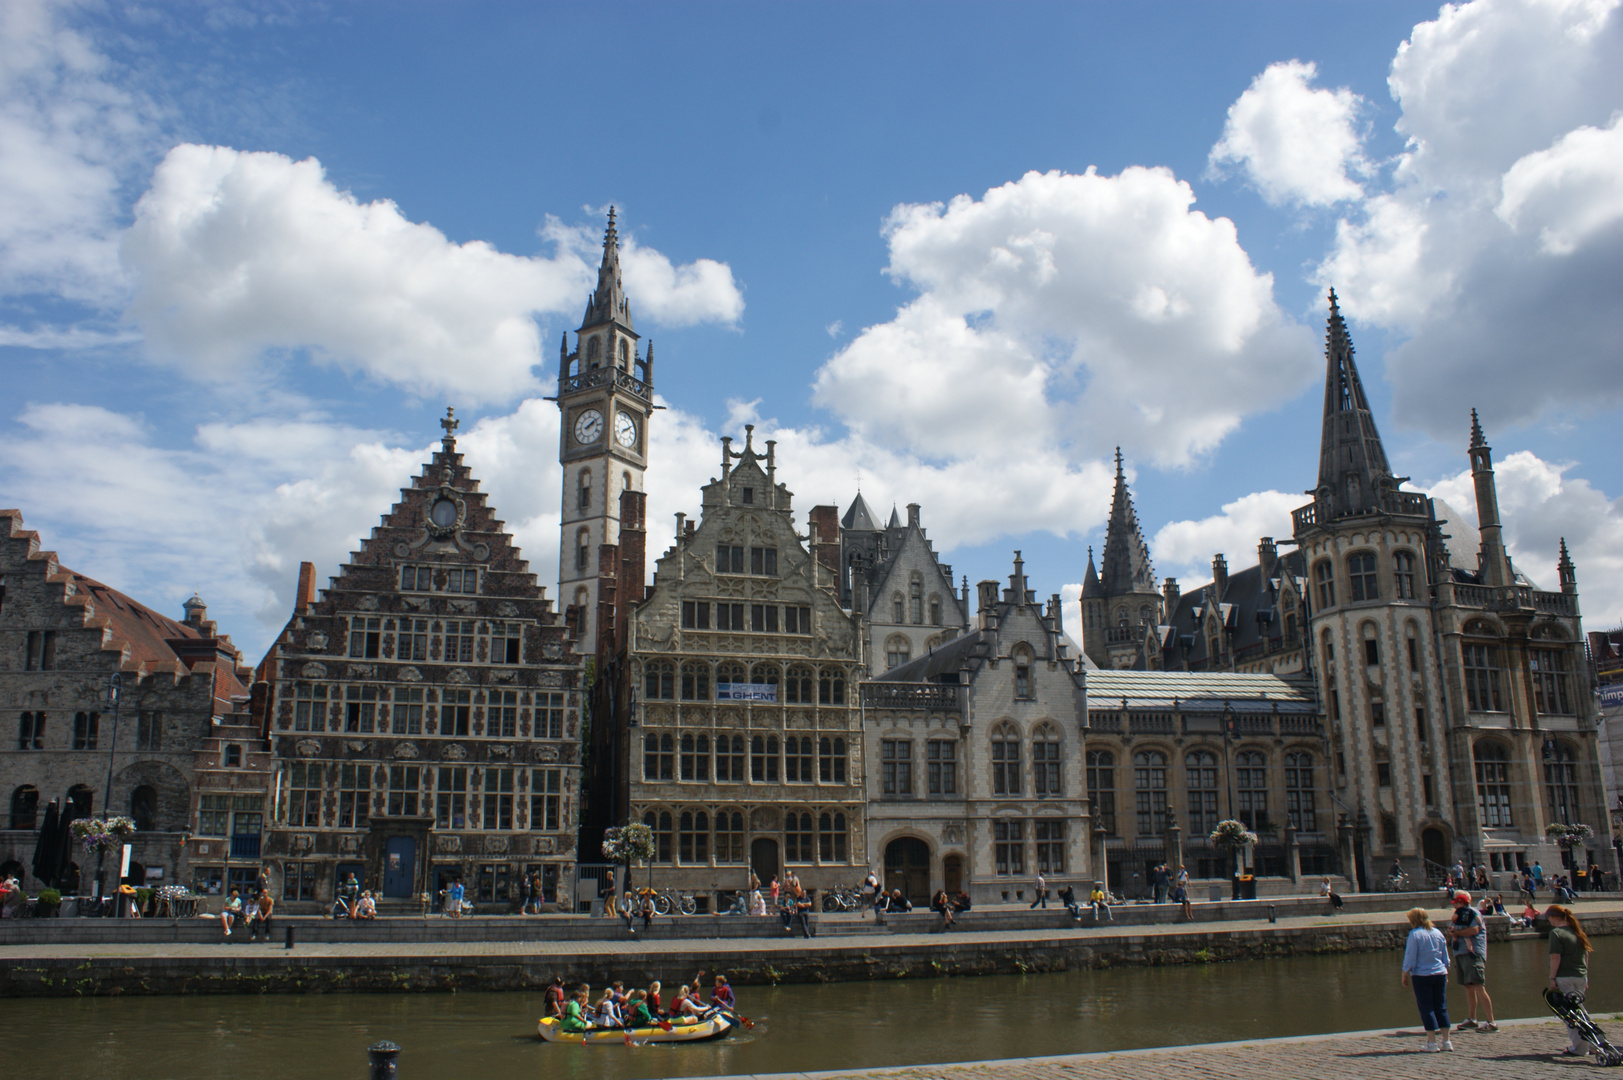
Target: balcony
x,y
1513,598
1396,503
606,376
916,697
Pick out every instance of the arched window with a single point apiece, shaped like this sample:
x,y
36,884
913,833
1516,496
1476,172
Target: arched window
x,y
625,355
1561,783
144,808
1046,778
935,610
660,823
1481,676
658,756
730,759
1325,576
1005,760
1403,577
898,609
797,837
25,807
1493,784
695,761
583,549
831,687
695,682
898,651
797,759
1411,641
764,759
583,497
1551,671
1200,768
1150,792
1372,644
1251,787
1361,580
81,801
659,680
1299,792
727,674
831,760
1101,767
693,837
594,353
729,836
831,837
915,599
797,687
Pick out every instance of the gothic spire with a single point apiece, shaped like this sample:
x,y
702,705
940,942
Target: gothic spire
x,y
1353,472
1090,581
608,302
1125,565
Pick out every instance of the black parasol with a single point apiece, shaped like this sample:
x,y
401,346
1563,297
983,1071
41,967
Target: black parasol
x,y
48,848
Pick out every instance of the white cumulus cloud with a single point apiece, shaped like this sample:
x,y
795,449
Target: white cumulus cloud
x,y
1184,549
1295,143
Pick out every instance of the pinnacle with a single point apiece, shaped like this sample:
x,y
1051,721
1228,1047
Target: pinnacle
x,y
1477,438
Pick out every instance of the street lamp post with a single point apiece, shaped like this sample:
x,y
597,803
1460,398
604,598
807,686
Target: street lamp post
x,y
1228,773
114,688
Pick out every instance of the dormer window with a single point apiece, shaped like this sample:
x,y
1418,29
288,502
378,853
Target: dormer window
x,y
233,756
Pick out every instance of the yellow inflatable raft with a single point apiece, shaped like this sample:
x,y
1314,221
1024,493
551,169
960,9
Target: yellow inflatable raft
x,y
689,1030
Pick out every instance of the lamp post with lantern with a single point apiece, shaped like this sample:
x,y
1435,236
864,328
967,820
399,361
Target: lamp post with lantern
x,y
114,694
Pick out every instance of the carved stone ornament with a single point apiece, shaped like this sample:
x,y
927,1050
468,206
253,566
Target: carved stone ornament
x,y
313,670
357,746
553,650
464,607
458,676
546,753
508,676
553,679
952,834
349,844
362,671
454,752
415,603
501,750
764,819
481,551
367,603
302,843
447,845
307,747
507,609
402,550
315,641
405,750
444,512
495,845
545,845
409,674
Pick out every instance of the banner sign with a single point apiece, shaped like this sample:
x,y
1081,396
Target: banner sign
x,y
1611,696
745,691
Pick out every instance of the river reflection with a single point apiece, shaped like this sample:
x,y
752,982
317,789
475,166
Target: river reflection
x,y
844,1025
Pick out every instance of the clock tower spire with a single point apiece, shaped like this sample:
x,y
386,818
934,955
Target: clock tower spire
x,y
605,396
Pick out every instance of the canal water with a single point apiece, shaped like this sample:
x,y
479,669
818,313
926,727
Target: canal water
x,y
492,1036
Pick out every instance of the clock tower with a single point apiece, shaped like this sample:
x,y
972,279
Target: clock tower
x,y
605,396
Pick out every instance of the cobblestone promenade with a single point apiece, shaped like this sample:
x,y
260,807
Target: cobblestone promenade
x,y
1520,1049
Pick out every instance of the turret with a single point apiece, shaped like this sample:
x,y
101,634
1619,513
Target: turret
x,y
1567,572
1353,473
1491,560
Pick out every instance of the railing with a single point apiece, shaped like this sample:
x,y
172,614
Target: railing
x,y
1104,723
1513,598
1123,635
1153,724
1473,596
603,376
1553,602
1406,503
1300,725
921,697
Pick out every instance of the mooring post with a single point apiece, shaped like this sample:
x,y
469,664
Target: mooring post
x,y
1271,913
289,944
382,1056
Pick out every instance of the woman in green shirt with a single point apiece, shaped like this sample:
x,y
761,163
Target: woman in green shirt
x,y
1569,966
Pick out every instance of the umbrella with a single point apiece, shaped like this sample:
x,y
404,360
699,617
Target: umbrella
x,y
64,842
48,848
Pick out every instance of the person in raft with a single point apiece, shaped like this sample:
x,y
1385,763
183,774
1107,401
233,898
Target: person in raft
x,y
575,1013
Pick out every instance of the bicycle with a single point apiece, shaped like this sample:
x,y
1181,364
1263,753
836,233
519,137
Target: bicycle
x,y
842,898
1398,882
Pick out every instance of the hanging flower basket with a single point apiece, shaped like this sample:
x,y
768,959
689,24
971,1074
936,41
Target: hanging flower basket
x,y
1232,835
1569,836
628,844
98,836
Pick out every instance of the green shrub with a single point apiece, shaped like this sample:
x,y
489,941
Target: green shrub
x,y
50,898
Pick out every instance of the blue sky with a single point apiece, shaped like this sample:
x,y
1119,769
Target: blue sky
x,y
248,252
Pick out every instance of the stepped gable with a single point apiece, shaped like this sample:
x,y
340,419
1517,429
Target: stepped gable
x,y
147,642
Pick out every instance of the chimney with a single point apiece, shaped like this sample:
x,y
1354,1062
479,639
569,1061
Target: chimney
x,y
825,537
680,518
307,587
1056,616
1267,555
1169,597
1220,578
633,561
913,515
608,571
988,602
772,473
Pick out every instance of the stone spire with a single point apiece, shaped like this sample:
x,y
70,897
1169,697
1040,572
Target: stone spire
x,y
1493,565
608,302
1353,473
1567,572
1090,581
1125,565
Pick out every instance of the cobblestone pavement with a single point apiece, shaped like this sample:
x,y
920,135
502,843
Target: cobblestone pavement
x,y
1520,1049
702,947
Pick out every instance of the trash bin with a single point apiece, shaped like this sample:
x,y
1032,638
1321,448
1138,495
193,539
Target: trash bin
x,y
1245,887
1214,893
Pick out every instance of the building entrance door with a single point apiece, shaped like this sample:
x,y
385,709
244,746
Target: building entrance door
x,y
1434,846
952,871
399,867
907,867
764,860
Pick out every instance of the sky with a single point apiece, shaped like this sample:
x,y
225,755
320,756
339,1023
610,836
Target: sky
x,y
952,254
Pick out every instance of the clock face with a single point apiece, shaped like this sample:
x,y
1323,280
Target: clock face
x,y
589,426
625,430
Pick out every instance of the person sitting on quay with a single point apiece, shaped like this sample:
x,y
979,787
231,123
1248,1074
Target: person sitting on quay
x,y
1327,889
1498,904
1099,900
871,893
897,903
942,905
1067,896
261,917
231,911
367,908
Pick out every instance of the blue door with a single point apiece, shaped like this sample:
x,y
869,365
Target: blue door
x,y
399,865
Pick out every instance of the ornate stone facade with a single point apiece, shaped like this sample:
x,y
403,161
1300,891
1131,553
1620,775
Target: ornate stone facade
x,y
893,578
426,711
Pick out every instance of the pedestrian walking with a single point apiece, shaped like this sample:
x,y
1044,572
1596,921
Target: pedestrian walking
x,y
870,893
1042,892
606,891
1470,940
453,898
1159,882
1569,968
1425,969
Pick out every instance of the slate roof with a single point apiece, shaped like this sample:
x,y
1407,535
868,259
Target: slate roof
x,y
1247,595
949,657
859,518
1196,690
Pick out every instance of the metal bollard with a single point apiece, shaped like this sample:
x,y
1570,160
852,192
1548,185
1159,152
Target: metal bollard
x,y
289,944
382,1056
1271,913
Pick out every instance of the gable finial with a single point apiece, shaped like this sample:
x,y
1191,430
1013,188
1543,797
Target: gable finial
x,y
450,423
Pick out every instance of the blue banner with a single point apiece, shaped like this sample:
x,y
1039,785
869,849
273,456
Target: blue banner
x,y
746,691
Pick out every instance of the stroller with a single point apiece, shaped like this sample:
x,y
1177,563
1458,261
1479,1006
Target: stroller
x,y
1570,1008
